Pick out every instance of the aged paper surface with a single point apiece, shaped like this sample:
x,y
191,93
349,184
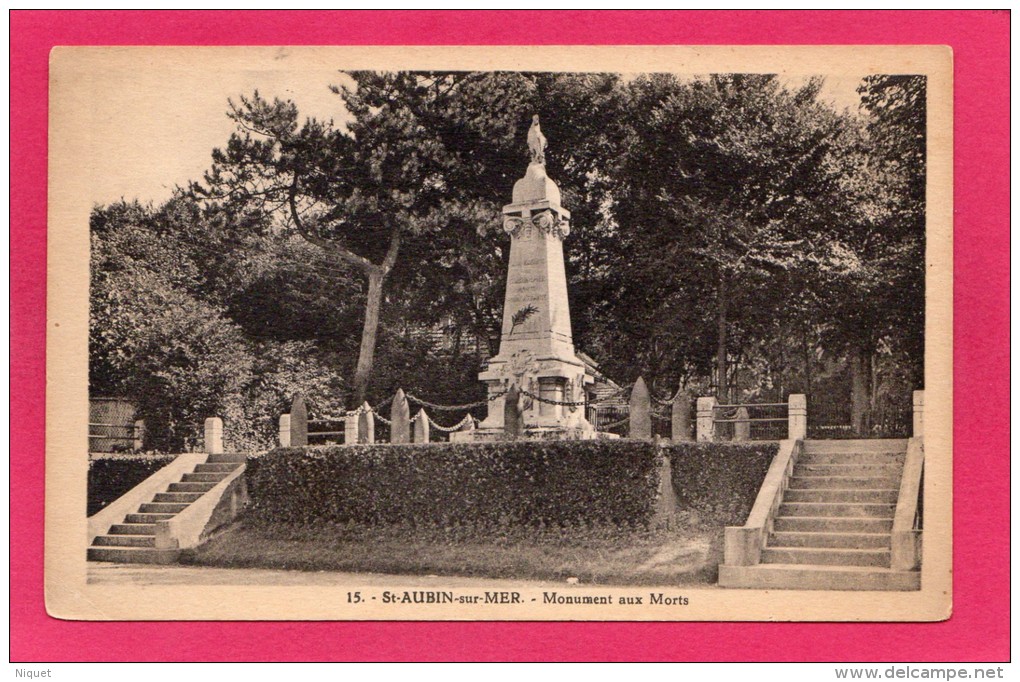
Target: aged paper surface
x,y
78,74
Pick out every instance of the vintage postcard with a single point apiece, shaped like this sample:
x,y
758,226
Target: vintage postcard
x,y
530,333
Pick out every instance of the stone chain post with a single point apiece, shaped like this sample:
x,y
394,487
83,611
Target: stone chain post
x,y
706,419
421,427
366,425
640,411
350,429
742,427
400,416
797,416
284,431
680,427
214,436
298,422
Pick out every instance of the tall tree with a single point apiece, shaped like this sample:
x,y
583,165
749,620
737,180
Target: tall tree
x,y
152,339
730,184
424,156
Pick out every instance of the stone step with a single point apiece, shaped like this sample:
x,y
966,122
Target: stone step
x,y
851,458
826,556
897,445
133,529
186,498
125,541
192,487
831,524
163,507
850,469
880,496
215,467
841,509
204,477
236,457
833,540
133,555
799,577
844,482
147,518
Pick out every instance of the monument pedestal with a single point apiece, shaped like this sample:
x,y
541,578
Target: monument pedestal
x,y
536,351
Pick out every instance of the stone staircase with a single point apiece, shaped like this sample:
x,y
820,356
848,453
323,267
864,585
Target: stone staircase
x,y
134,540
833,528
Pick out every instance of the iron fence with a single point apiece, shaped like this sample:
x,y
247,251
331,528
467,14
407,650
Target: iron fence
x,y
327,432
751,421
109,437
836,422
610,418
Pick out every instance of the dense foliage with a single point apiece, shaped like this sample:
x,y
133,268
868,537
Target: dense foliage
x,y
735,235
716,483
110,476
503,484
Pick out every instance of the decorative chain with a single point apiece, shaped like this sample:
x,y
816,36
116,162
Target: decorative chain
x,y
449,429
565,403
661,417
362,409
452,408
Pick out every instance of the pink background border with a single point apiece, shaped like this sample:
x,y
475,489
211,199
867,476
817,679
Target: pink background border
x,y
979,628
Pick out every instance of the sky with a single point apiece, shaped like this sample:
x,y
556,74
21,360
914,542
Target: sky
x,y
153,121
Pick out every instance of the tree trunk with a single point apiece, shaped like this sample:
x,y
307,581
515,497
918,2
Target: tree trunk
x,y
366,356
720,367
873,362
859,374
376,275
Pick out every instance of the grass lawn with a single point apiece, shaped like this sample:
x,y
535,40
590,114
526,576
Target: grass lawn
x,y
687,555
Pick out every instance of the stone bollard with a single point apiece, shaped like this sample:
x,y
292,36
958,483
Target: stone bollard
x,y
706,419
366,425
421,427
139,434
284,431
350,429
640,411
680,417
667,505
742,427
918,430
469,424
213,436
797,416
400,415
298,423
513,420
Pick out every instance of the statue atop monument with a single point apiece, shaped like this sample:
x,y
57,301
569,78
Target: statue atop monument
x,y
536,142
536,348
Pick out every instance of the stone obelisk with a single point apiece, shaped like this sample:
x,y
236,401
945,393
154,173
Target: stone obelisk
x,y
536,351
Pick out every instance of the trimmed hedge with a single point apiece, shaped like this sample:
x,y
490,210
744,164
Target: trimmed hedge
x,y
718,482
523,483
112,475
